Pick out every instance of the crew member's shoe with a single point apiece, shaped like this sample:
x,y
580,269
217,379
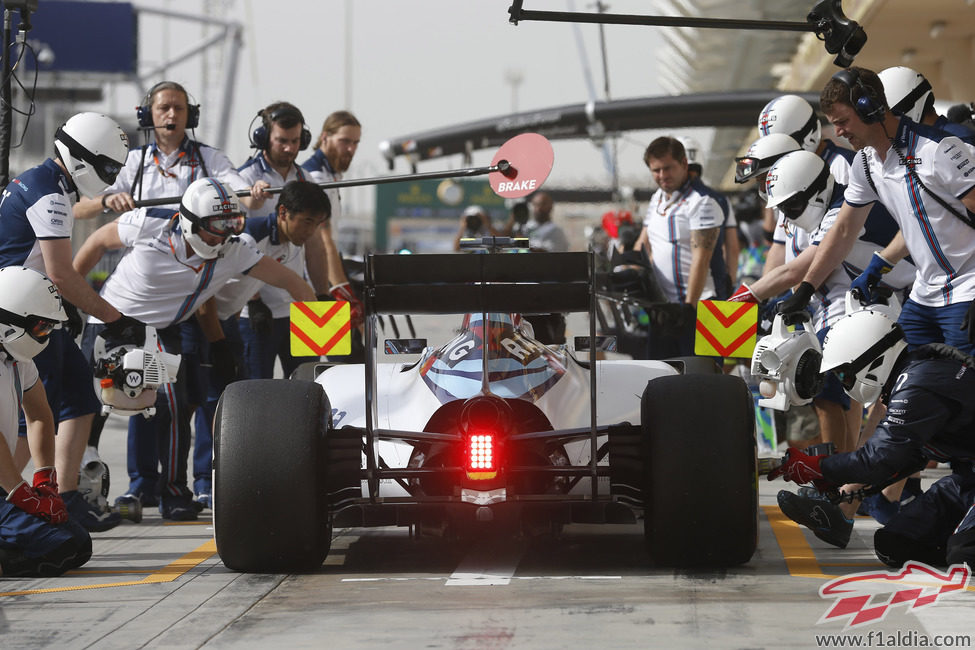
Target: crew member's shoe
x,y
822,517
147,500
203,502
93,520
179,508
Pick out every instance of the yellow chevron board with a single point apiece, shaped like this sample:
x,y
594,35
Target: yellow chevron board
x,y
726,329
321,328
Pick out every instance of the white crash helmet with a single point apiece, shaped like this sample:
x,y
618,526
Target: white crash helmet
x,y
30,309
800,186
209,205
93,148
793,116
862,347
693,151
761,155
906,91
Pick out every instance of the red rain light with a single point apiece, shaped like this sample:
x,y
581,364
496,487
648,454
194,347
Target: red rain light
x,y
481,455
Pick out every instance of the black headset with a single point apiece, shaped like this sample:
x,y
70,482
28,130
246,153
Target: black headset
x,y
868,107
260,137
143,112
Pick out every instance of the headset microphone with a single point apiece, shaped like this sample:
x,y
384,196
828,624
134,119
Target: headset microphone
x,y
168,127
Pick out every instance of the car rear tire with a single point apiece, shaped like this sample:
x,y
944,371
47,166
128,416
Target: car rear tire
x,y
269,513
700,490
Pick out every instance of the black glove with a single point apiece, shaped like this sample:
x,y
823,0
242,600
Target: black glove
x,y
125,330
73,324
259,316
223,363
968,322
793,308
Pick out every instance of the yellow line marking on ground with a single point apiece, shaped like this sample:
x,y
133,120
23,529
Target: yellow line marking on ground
x,y
168,573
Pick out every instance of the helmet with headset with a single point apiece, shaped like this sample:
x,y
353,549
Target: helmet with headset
x,y
143,111
92,148
869,105
288,115
209,205
862,347
30,309
800,186
761,155
907,91
793,116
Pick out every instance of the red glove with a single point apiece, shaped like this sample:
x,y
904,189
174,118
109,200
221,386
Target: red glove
x,y
799,467
46,482
49,508
344,292
744,294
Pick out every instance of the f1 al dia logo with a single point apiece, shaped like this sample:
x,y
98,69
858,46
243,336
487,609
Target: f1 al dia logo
x,y
864,598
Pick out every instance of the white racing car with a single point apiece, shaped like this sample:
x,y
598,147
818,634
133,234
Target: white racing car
x,y
491,429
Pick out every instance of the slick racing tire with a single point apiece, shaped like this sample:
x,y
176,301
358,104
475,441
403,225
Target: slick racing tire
x,y
700,482
269,512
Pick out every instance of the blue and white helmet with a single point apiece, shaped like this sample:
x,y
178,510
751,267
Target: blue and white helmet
x,y
30,309
209,205
793,116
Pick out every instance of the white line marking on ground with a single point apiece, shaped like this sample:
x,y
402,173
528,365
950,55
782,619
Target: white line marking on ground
x,y
490,563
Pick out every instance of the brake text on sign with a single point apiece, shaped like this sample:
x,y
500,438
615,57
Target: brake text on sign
x,y
514,186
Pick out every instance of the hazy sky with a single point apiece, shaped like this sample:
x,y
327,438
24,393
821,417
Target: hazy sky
x,y
414,65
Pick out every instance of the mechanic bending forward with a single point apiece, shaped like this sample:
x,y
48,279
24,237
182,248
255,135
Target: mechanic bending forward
x,y
175,262
37,538
166,167
682,230
301,210
924,178
35,230
931,416
336,146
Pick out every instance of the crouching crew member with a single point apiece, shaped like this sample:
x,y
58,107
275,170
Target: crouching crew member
x,y
930,416
37,539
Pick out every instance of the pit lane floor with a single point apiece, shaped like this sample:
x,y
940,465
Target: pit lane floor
x,y
161,585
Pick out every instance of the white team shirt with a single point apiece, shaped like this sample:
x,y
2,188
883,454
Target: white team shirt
x,y
16,377
939,242
258,169
548,237
170,174
232,297
669,223
156,282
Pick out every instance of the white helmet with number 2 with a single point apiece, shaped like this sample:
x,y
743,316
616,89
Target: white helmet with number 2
x,y
862,347
93,148
800,186
209,205
30,309
793,116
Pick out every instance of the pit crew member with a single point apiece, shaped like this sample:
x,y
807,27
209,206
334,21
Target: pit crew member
x,y
35,231
930,416
924,178
176,262
37,538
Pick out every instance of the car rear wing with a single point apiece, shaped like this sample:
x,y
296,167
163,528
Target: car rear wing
x,y
524,283
491,282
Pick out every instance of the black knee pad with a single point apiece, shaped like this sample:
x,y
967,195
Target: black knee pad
x,y
895,549
961,548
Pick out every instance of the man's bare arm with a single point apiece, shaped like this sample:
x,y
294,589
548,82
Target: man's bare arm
x,y
702,247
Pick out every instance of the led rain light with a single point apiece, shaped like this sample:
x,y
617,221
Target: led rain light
x,y
481,456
